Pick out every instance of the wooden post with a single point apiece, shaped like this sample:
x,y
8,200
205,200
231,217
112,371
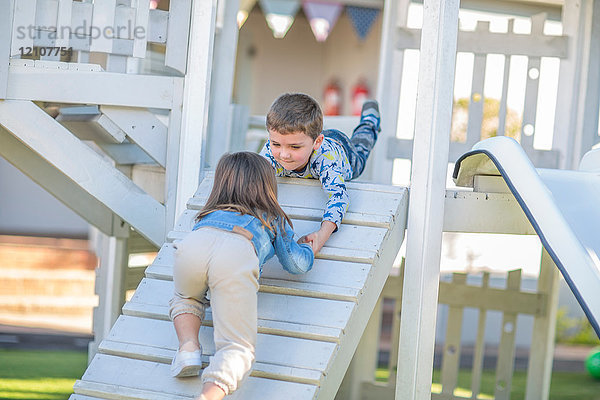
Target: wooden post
x,y
426,210
6,19
541,352
219,136
587,136
185,155
391,61
576,20
506,349
451,357
364,363
110,280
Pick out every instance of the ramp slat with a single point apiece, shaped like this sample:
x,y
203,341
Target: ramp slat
x,y
296,309
114,377
155,340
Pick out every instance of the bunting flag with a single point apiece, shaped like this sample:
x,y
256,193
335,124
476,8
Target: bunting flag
x,y
245,8
280,15
362,19
322,17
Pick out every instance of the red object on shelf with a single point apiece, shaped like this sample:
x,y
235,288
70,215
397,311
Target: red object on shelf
x,y
360,93
332,99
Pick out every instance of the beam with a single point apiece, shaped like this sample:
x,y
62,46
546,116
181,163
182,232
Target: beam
x,y
5,41
143,128
55,182
63,85
51,141
223,67
426,210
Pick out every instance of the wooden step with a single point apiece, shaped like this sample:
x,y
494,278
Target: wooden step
x,y
115,377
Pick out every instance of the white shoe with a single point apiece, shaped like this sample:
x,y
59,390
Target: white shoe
x,y
186,363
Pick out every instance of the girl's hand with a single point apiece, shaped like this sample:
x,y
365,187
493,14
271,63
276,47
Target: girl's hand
x,y
317,239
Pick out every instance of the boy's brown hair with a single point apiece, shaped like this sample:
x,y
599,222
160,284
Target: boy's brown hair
x,y
295,112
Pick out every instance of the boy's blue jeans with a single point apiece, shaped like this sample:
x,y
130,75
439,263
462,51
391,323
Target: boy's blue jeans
x,y
359,146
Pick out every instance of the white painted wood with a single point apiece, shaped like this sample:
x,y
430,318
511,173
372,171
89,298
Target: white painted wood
x,y
46,17
178,34
481,212
81,20
23,18
143,128
162,355
496,43
152,381
531,88
477,99
103,26
110,282
142,16
364,361
362,197
157,26
381,268
195,102
577,20
89,170
347,237
425,216
223,68
541,352
506,348
587,136
87,123
389,80
504,98
479,344
172,157
61,86
160,343
6,33
299,310
451,355
273,327
340,274
65,15
55,182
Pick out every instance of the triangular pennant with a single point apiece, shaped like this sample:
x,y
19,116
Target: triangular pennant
x,y
245,8
322,17
362,19
280,15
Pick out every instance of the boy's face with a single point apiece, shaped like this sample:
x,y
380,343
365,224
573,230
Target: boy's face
x,y
293,150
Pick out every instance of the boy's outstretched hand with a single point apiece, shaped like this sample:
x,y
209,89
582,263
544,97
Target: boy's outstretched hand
x,y
317,239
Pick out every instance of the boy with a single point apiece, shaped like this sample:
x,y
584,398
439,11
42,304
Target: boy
x,y
298,147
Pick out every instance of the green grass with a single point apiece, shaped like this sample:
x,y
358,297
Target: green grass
x,y
39,375
564,385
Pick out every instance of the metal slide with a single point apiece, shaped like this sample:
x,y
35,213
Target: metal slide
x,y
563,207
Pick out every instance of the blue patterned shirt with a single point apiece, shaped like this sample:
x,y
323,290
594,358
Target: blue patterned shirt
x,y
329,163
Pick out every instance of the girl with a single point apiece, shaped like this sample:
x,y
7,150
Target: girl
x,y
240,227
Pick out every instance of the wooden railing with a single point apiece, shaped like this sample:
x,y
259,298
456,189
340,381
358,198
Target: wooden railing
x,y
458,295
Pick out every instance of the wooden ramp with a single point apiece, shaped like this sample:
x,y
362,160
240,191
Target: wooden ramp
x,y
309,325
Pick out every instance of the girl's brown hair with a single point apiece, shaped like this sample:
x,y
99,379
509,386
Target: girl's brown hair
x,y
245,182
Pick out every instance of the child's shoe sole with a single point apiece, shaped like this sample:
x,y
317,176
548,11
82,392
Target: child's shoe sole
x,y
186,363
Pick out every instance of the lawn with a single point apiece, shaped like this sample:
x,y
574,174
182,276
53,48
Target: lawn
x,y
564,386
50,375
39,375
